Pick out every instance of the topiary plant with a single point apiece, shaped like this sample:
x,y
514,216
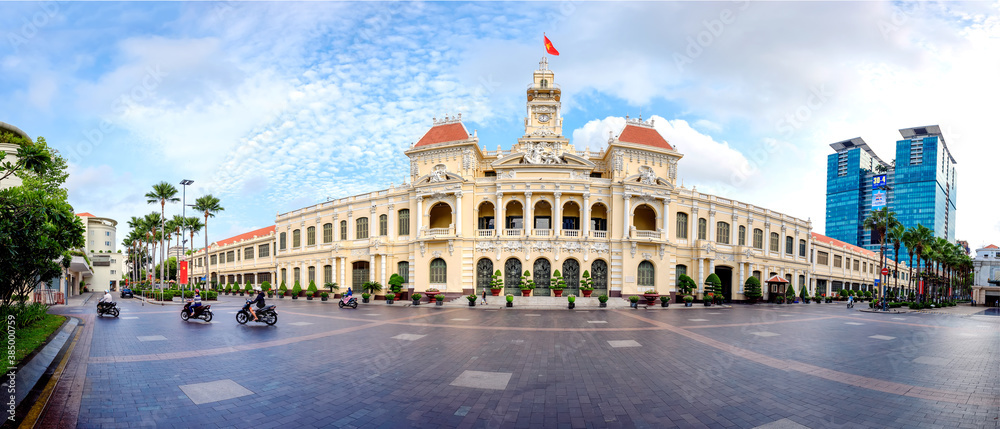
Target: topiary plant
x,y
713,285
790,293
497,281
312,288
686,284
296,289
751,289
396,282
557,281
266,286
586,283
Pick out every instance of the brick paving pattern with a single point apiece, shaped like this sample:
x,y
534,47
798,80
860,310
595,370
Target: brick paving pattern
x,y
396,366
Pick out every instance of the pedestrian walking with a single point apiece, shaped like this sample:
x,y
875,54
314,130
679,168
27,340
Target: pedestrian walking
x,y
484,297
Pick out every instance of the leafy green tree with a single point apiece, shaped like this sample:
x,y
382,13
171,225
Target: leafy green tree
x,y
686,284
527,283
312,288
265,286
789,293
32,157
208,205
372,287
296,289
751,288
396,282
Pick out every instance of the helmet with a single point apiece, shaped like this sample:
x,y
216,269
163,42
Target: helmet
x,y
107,291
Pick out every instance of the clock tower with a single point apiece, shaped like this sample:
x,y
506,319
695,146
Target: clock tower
x,y
543,134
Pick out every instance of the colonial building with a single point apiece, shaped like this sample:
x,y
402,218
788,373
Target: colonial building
x,y
248,257
618,215
986,266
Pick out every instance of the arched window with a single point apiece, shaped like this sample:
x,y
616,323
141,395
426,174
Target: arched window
x,y
439,271
802,248
679,271
404,222
284,275
789,245
343,230
281,240
362,228
296,272
403,269
297,238
646,274
311,236
758,238
327,274
774,242
722,232
312,275
440,216
383,225
702,228
682,225
328,233
743,236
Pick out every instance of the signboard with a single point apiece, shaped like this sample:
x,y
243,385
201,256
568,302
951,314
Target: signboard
x,y
876,282
183,272
878,182
878,199
885,271
921,291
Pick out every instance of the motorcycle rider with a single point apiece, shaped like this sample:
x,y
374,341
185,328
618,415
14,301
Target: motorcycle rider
x,y
106,299
347,295
195,302
259,300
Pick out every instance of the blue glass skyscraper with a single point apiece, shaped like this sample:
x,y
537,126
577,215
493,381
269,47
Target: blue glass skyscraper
x,y
919,186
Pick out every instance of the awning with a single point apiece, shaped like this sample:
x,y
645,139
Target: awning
x,y
776,279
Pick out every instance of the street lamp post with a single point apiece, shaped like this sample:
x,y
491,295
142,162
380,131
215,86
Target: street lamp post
x,y
184,183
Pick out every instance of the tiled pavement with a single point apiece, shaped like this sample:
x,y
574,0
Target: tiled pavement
x,y
392,366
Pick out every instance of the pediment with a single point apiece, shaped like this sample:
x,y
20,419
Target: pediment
x,y
519,160
647,178
440,174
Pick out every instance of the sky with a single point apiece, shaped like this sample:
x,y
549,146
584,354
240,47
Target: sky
x,y
272,107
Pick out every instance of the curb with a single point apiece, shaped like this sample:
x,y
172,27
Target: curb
x,y
41,373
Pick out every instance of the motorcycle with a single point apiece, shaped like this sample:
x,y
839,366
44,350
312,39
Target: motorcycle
x,y
353,303
264,315
203,312
109,308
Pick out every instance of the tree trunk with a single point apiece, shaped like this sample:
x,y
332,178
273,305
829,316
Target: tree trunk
x,y
163,227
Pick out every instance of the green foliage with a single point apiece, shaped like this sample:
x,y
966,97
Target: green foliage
x,y
282,287
510,298
804,293
688,298
211,294
664,298
24,314
527,283
396,282
248,287
557,281
790,292
633,298
312,288
586,283
365,295
713,282
751,288
390,296
266,286
602,298
332,286
417,296
571,298
439,297
296,289
497,281
471,298
327,295
372,287
686,284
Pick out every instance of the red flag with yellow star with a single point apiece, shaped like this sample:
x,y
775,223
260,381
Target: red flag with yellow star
x,y
548,46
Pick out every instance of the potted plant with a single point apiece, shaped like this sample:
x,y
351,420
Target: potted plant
x,y
472,300
439,299
664,301
365,296
510,300
372,287
805,295
229,289
282,290
266,287
572,301
396,283
634,301
603,299
688,300
527,284
246,288
496,283
650,295
751,289
780,299
311,291
432,294
685,285
709,297
390,298
416,298
324,296
296,290
331,286
586,284
713,285
557,283
790,294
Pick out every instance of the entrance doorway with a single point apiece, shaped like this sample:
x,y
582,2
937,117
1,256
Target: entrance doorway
x,y
726,276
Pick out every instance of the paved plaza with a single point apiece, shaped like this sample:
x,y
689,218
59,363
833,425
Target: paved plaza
x,y
792,366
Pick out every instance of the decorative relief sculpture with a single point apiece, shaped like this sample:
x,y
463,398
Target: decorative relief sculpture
x,y
507,174
616,160
726,257
438,175
708,247
451,247
436,253
360,252
414,168
485,246
633,249
647,176
663,249
673,168
467,159
540,153
600,248
423,248
375,243
647,255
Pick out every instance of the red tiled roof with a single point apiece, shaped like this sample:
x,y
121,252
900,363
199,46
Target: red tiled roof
x,y
443,133
85,214
776,279
258,232
643,135
992,246
833,241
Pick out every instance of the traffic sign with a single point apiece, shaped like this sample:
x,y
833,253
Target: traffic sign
x,y
885,271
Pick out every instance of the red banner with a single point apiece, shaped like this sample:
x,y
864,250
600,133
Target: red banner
x,y
921,291
183,272
549,48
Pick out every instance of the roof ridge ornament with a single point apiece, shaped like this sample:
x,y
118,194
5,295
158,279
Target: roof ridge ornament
x,y
447,120
639,122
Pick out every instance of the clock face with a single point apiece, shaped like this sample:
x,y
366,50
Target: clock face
x,y
544,117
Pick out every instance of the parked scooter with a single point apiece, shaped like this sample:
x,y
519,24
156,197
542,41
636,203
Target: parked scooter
x,y
203,312
109,308
264,315
353,303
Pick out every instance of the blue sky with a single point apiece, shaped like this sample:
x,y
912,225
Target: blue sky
x,y
275,106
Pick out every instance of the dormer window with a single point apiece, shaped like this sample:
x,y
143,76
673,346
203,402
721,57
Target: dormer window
x,y
545,83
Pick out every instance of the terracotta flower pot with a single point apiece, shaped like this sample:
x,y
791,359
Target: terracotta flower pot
x,y
586,293
557,292
525,292
495,292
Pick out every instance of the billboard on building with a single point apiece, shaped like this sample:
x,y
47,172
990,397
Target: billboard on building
x,y
878,199
878,182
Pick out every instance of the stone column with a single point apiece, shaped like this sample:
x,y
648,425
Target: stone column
x,y
586,215
711,265
393,220
666,219
343,273
701,275
528,214
384,279
557,215
693,226
626,216
371,267
767,239
498,220
458,213
711,226
420,215
742,276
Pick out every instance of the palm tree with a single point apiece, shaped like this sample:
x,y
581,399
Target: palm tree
x,y
193,225
162,193
177,226
879,221
896,235
909,240
151,224
210,206
922,237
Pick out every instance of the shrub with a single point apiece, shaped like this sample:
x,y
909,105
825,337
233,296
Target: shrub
x,y
586,283
497,281
471,298
365,295
439,297
633,298
396,282
790,293
571,298
417,296
686,284
25,314
716,284
372,287
296,289
688,298
248,288
557,281
664,298
282,287
751,288
211,294
312,288
602,298
510,298
389,295
327,295
266,286
527,283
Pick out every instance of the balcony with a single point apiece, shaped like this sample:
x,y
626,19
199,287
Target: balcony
x,y
541,232
513,232
434,232
598,234
485,233
571,233
647,234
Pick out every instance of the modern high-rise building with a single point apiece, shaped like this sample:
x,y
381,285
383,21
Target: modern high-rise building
x,y
918,185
